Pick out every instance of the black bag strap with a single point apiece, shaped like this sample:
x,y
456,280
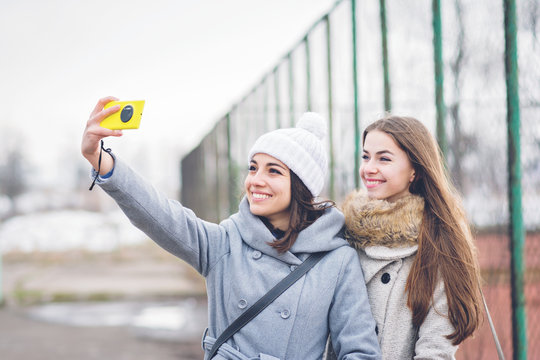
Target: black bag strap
x,y
266,300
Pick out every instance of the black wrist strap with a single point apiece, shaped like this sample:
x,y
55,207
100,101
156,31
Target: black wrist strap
x,y
266,300
99,164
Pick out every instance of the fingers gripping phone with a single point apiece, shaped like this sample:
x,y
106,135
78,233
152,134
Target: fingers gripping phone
x,y
128,117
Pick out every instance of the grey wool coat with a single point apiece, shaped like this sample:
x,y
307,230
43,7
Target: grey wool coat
x,y
240,267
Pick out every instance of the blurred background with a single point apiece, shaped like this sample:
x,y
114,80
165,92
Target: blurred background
x,y
80,282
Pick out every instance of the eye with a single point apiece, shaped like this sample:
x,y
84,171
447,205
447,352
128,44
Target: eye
x,y
385,159
365,157
275,171
252,168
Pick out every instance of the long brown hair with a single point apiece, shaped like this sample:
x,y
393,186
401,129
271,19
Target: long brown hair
x,y
303,211
445,245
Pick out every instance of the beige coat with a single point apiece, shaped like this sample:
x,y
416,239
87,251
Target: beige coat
x,y
386,269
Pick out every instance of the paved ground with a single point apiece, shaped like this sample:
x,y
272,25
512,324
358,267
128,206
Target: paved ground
x,y
135,276
22,338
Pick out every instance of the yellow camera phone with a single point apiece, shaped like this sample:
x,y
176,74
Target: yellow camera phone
x,y
128,117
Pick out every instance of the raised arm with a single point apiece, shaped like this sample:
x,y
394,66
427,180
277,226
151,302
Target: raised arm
x,y
166,221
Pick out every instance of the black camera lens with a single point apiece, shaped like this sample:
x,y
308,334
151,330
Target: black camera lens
x,y
127,113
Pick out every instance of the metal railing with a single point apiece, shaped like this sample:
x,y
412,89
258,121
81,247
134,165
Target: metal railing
x,y
448,64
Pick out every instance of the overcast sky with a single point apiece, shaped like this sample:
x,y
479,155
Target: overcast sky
x,y
189,59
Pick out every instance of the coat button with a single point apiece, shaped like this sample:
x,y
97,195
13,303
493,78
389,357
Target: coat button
x,y
293,267
385,278
256,254
376,330
285,314
242,304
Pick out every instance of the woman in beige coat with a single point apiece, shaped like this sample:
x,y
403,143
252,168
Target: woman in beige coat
x,y
414,244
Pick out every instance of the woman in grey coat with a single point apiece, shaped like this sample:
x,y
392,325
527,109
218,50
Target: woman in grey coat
x,y
277,227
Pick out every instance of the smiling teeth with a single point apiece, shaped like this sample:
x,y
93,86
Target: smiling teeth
x,y
260,196
373,182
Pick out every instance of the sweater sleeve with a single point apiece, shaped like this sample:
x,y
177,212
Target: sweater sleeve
x,y
352,327
172,226
432,342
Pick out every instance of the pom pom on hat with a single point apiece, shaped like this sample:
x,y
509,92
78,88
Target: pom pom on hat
x,y
300,148
314,123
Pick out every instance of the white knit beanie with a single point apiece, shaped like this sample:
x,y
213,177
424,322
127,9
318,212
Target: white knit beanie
x,y
300,148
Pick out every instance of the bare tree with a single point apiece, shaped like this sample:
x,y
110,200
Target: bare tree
x,y
13,175
460,144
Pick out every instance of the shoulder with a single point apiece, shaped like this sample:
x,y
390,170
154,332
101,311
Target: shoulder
x,y
344,259
345,251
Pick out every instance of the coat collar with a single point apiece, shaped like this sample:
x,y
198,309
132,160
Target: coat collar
x,y
322,235
391,254
381,223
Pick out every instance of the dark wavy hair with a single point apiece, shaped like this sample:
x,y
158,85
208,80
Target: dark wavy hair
x,y
304,211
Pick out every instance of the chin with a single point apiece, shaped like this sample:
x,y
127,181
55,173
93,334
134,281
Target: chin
x,y
375,196
256,210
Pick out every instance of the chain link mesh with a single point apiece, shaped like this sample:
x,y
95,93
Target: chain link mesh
x,y
311,78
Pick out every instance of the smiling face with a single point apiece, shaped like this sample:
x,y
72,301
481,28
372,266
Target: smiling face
x,y
386,170
268,189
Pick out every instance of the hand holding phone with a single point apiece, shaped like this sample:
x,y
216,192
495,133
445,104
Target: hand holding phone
x,y
128,117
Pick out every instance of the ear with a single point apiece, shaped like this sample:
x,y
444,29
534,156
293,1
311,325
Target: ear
x,y
412,177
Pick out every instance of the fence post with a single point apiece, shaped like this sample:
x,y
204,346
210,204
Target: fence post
x,y
355,91
330,107
265,103
308,72
276,94
384,43
291,90
439,75
516,229
232,176
216,165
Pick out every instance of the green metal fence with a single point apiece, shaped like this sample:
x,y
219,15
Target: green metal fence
x,y
453,65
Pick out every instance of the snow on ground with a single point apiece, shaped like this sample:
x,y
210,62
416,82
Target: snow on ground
x,y
180,319
5,205
68,230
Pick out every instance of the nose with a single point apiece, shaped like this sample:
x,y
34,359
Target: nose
x,y
257,179
368,167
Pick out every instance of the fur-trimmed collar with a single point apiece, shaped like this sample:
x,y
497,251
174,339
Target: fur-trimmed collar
x,y
381,223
